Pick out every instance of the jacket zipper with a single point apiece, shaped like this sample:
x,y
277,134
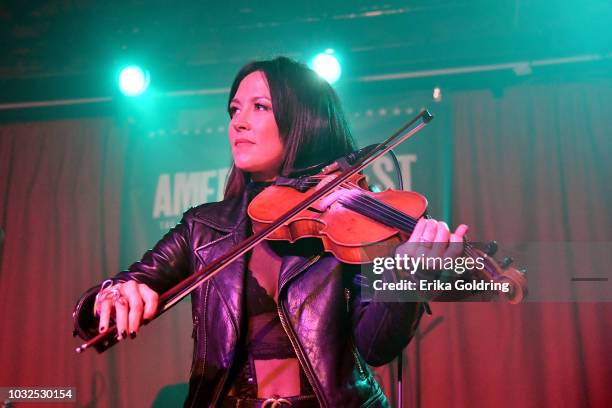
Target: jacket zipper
x,y
221,385
194,336
347,298
293,339
204,307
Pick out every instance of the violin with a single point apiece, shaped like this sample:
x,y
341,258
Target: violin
x,y
354,224
357,225
332,208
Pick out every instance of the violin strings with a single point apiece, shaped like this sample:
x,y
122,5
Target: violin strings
x,y
367,210
393,217
403,218
400,218
383,212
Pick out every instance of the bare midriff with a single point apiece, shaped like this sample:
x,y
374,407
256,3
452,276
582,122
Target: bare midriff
x,y
277,377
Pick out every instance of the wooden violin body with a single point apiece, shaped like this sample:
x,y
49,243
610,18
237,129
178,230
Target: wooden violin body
x,y
347,234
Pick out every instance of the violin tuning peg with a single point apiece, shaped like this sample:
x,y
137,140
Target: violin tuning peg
x,y
506,262
491,248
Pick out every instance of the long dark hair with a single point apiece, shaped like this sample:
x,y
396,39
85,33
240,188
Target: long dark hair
x,y
308,115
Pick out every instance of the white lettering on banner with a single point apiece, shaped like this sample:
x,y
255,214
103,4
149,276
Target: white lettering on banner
x,y
384,166
187,190
163,202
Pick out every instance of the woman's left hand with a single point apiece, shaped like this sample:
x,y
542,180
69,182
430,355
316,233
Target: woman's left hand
x,y
432,238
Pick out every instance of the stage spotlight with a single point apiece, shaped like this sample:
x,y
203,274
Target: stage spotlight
x,y
437,94
133,80
327,66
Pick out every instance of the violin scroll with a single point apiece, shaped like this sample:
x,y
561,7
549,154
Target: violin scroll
x,y
500,271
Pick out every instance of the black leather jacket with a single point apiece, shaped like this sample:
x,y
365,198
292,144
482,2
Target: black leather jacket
x,y
333,332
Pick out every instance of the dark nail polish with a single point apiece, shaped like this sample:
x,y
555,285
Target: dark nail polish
x,y
132,335
124,334
102,329
146,321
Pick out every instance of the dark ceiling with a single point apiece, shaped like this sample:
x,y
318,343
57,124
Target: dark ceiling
x,y
69,48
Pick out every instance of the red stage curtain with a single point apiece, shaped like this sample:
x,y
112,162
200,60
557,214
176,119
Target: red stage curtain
x,y
61,184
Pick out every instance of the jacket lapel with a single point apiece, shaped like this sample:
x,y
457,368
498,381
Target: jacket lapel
x,y
230,281
227,217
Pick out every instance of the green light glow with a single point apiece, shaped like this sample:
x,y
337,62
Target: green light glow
x,y
327,66
133,80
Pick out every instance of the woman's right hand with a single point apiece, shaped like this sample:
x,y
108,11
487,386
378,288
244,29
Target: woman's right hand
x,y
129,303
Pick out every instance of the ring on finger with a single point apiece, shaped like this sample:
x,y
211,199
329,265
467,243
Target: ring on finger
x,y
109,291
112,294
108,294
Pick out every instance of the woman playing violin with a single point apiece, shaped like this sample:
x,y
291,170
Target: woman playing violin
x,y
285,325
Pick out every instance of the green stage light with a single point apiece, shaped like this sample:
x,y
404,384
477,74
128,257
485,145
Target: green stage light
x,y
133,80
327,66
